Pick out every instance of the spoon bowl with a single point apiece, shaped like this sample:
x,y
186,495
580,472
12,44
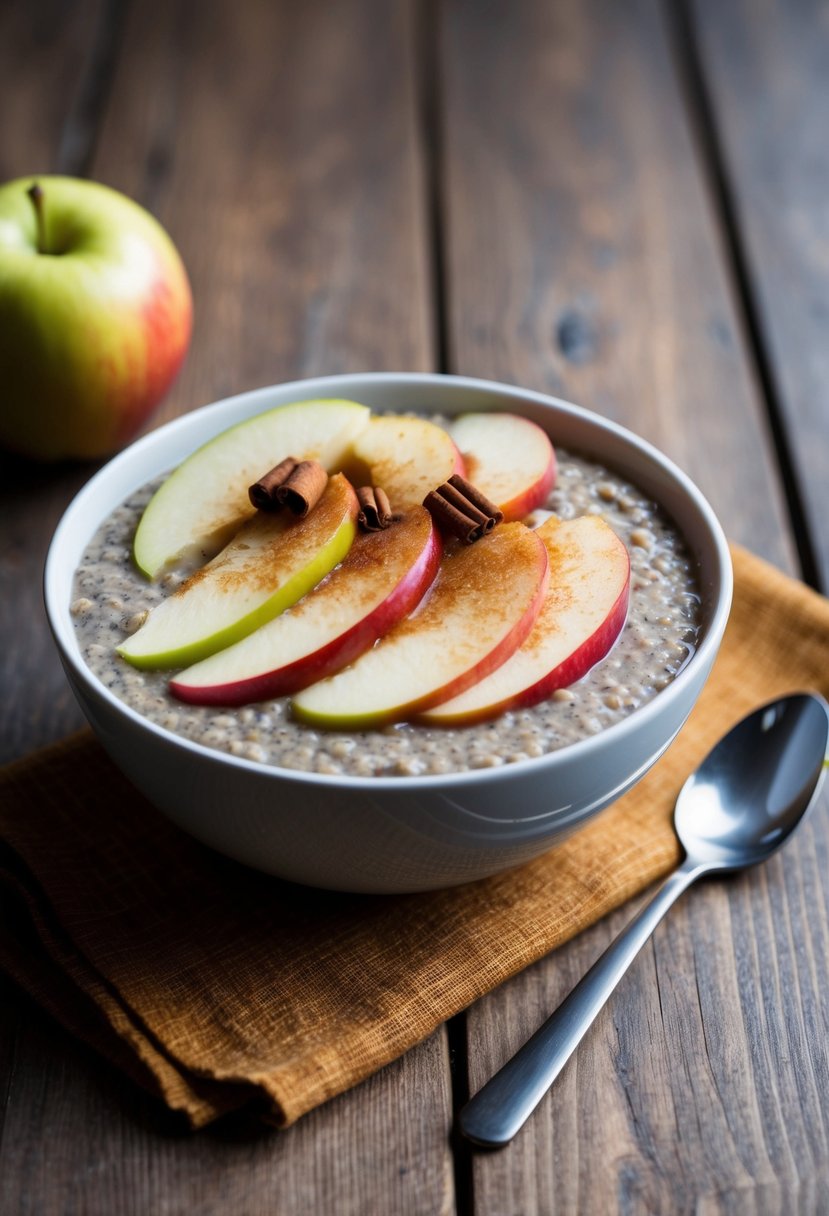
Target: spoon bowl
x,y
754,788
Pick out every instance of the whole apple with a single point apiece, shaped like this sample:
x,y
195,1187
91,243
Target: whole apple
x,y
95,317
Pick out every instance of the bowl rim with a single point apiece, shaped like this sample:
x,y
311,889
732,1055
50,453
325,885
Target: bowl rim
x,y
341,386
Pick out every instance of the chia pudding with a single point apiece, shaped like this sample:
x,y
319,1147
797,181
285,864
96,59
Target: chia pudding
x,y
111,599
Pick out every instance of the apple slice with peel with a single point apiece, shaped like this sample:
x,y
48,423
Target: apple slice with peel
x,y
408,457
480,608
382,578
271,563
583,614
202,503
508,458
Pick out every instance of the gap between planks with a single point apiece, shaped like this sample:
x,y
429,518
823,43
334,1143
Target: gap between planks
x,y
79,134
714,165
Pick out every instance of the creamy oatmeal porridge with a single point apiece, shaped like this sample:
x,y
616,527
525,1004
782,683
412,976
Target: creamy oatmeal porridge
x,y
111,599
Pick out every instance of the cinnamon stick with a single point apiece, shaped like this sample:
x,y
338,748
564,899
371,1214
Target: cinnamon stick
x,y
479,500
460,508
298,485
262,493
375,509
467,507
303,489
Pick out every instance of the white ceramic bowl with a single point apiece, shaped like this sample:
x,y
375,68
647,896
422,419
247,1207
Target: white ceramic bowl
x,y
389,833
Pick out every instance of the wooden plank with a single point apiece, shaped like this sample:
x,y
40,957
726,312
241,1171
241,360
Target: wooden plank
x,y
281,153
766,71
278,143
78,1139
583,254
585,257
47,68
48,79
702,1085
37,705
44,61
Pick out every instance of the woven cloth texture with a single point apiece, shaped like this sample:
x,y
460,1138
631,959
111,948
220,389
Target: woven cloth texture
x,y
215,986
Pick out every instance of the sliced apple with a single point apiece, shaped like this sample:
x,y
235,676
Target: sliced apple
x,y
480,608
271,563
583,614
202,503
509,459
408,457
382,578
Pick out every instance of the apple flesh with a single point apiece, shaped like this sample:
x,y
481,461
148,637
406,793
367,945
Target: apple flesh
x,y
271,563
95,317
508,458
583,613
408,457
384,575
202,503
481,607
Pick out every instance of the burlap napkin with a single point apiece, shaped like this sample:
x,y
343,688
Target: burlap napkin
x,y
212,985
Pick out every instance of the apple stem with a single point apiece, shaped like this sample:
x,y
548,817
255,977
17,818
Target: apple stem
x,y
35,193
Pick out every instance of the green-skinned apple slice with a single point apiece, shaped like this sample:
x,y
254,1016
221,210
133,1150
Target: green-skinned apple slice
x,y
479,610
271,563
408,457
583,613
202,503
508,458
382,578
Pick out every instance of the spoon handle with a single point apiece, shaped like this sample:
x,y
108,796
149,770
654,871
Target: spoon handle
x,y
507,1100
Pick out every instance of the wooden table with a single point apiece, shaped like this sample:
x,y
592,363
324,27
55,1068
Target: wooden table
x,y
623,202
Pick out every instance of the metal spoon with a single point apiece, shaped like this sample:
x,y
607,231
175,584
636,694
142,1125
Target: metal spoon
x,y
739,807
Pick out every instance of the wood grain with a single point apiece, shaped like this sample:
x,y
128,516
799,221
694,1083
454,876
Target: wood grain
x,y
37,705
49,70
583,254
278,143
700,1086
46,70
585,257
766,68
373,1152
38,43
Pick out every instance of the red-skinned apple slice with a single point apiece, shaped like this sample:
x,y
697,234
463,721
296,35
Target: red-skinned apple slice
x,y
583,614
408,457
380,581
508,458
270,564
479,610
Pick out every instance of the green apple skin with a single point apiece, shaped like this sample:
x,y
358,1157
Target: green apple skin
x,y
205,500
215,607
382,579
289,593
93,330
